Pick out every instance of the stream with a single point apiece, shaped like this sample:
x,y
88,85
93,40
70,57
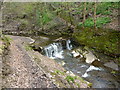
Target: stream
x,y
63,51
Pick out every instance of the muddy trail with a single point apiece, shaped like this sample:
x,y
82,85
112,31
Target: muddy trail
x,y
23,71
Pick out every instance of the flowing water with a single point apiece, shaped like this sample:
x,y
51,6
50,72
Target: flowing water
x,y
63,53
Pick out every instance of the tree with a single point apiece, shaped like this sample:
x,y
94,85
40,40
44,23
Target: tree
x,y
84,13
69,12
95,6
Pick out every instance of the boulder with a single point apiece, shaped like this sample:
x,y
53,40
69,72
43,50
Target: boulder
x,y
90,57
75,54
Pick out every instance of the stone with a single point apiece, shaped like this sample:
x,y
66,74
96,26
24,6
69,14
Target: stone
x,y
90,57
70,73
62,63
75,54
111,65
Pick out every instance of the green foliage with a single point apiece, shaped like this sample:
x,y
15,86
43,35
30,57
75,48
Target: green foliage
x,y
115,5
2,48
6,39
113,72
102,20
105,8
43,17
47,17
59,72
102,8
90,84
70,79
99,22
78,85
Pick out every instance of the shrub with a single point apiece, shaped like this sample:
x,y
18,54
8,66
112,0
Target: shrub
x,y
70,79
99,22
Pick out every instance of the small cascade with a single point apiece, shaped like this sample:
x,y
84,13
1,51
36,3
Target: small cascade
x,y
55,50
68,44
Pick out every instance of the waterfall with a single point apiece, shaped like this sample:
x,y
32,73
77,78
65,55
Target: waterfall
x,y
54,50
68,44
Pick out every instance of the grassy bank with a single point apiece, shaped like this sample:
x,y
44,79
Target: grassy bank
x,y
106,41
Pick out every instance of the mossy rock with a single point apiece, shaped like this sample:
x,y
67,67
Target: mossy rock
x,y
101,40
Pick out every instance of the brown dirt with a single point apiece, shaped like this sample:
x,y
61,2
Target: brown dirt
x,y
113,25
25,73
1,43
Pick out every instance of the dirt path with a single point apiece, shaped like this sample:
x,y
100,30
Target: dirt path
x,y
25,73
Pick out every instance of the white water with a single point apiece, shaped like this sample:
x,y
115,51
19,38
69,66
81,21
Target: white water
x,y
90,69
69,45
55,50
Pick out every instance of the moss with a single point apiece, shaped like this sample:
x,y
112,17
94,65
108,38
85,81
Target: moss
x,y
102,40
90,84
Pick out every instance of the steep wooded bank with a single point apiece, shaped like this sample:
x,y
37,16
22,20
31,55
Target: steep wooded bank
x,y
66,19
60,17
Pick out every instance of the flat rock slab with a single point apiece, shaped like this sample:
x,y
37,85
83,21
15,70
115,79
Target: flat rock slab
x,y
112,65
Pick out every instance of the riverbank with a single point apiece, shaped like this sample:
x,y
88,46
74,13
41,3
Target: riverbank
x,y
28,69
101,40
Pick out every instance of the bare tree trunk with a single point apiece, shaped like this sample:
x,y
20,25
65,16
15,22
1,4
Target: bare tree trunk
x,y
84,13
68,8
95,6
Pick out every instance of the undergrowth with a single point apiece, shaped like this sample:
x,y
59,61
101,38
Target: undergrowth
x,y
100,21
